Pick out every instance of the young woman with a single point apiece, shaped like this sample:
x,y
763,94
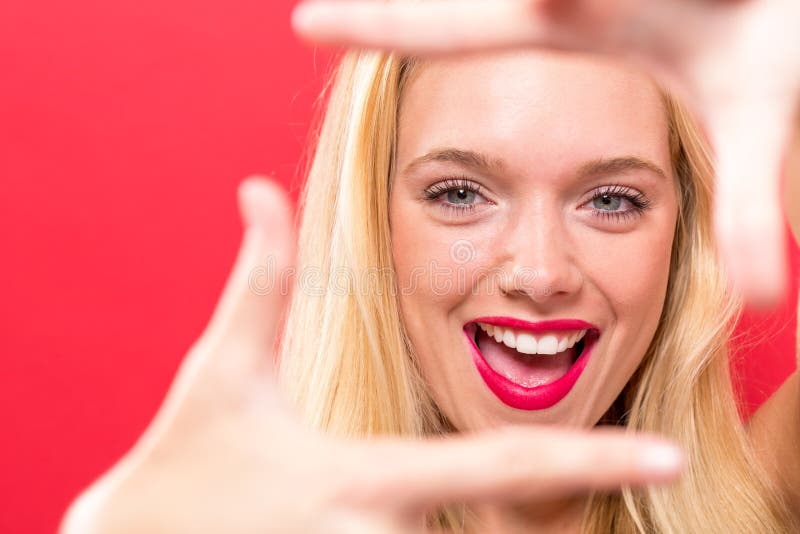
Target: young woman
x,y
588,176
513,248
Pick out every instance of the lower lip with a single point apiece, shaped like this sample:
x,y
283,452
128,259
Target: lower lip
x,y
524,398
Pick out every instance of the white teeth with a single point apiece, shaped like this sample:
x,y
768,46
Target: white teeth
x,y
548,344
573,338
528,343
509,339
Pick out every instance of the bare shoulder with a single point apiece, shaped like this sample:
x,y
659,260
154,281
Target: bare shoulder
x,y
774,430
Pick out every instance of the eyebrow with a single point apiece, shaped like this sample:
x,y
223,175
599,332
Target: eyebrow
x,y
466,158
481,162
617,165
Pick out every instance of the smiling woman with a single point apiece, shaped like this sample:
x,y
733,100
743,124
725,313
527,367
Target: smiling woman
x,y
582,197
590,295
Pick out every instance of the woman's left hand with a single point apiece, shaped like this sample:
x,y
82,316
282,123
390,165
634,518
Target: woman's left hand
x,y
227,454
736,62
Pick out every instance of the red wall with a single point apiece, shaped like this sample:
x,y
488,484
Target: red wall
x,y
125,127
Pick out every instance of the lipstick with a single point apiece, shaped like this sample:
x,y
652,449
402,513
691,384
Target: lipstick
x,y
525,381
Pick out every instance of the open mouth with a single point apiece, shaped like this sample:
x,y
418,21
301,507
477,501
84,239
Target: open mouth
x,y
530,365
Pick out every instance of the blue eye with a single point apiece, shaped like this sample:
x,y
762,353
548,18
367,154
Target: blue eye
x,y
457,196
607,202
461,196
618,202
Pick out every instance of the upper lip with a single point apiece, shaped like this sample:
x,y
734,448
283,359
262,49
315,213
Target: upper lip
x,y
549,325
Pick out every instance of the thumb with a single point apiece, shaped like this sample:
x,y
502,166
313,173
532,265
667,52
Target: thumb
x,y
751,138
251,303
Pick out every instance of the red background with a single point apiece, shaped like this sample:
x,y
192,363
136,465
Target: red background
x,y
125,127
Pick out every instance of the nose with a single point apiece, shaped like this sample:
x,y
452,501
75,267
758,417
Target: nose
x,y
537,257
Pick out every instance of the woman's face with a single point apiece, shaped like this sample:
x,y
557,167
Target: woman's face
x,y
532,214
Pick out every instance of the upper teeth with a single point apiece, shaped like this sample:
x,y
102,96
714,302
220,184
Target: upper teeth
x,y
527,343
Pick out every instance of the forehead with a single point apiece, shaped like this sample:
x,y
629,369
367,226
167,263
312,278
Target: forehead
x,y
533,110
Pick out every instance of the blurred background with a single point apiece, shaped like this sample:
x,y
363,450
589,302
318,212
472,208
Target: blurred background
x,y
125,128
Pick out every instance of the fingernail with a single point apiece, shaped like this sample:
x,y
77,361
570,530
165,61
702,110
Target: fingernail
x,y
662,458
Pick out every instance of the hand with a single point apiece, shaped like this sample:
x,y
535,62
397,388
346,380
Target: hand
x,y
226,454
736,62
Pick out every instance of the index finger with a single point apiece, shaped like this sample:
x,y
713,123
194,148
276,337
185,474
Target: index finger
x,y
517,464
441,27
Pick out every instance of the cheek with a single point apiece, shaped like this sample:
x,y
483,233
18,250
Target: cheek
x,y
631,268
434,262
421,262
436,267
631,272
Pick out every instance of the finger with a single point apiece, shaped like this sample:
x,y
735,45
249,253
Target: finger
x,y
446,26
751,138
342,521
511,465
250,306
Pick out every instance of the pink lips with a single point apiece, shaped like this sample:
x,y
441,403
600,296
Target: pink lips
x,y
539,397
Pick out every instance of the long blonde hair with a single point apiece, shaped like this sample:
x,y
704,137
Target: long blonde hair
x,y
348,364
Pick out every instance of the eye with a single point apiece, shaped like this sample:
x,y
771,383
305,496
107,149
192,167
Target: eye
x,y
456,195
608,202
461,196
617,202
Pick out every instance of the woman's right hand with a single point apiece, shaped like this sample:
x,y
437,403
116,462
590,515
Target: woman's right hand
x,y
226,454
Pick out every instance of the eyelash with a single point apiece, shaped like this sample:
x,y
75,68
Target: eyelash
x,y
438,189
639,202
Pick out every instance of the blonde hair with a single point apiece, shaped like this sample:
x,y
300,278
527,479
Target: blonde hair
x,y
348,364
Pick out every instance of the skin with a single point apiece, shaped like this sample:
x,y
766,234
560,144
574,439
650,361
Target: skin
x,y
545,117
